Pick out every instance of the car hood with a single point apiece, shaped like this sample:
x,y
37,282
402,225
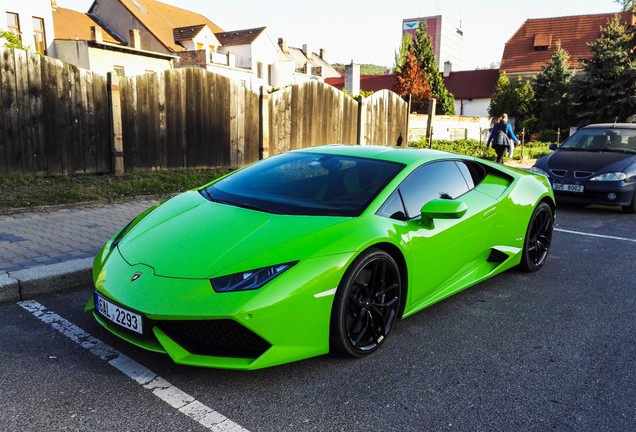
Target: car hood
x,y
589,161
191,237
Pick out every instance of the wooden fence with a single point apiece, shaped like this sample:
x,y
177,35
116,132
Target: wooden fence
x,y
56,119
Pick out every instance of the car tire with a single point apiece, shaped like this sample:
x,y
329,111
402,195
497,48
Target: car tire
x,y
366,305
631,208
538,239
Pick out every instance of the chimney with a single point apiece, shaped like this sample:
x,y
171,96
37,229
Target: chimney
x,y
323,53
97,35
135,39
282,43
352,78
305,50
54,5
448,68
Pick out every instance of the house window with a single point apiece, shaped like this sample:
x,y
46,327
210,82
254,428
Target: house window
x,y
259,70
39,36
269,74
119,70
13,24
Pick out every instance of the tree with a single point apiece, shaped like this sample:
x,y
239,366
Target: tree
x,y
412,80
551,92
400,56
606,90
12,40
516,98
423,50
627,5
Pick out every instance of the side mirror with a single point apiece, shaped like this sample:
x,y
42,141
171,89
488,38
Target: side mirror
x,y
553,147
442,209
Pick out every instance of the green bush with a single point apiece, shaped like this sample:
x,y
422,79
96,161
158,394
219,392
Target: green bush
x,y
533,150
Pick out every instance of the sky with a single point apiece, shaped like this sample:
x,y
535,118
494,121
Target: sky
x,y
369,31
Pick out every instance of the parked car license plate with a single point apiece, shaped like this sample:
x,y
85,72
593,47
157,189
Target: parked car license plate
x,y
567,187
118,315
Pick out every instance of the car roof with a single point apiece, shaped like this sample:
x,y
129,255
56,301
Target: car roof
x,y
611,126
393,154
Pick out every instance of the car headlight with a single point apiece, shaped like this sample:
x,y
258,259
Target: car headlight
x,y
539,171
249,280
614,176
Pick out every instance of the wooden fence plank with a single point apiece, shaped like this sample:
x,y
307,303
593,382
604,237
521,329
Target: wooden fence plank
x,y
103,126
25,136
162,127
4,166
11,115
36,107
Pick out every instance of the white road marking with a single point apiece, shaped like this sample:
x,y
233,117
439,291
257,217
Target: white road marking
x,y
161,388
596,235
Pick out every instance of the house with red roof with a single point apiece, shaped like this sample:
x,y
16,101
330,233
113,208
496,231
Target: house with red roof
x,y
532,46
471,89
82,41
250,55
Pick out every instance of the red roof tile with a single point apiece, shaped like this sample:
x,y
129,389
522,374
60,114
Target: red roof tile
x,y
161,19
532,46
473,84
74,25
239,37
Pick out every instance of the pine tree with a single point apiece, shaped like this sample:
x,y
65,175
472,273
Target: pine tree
x,y
412,80
551,92
423,50
606,90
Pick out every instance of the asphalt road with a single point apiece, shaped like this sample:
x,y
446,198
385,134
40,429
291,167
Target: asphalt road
x,y
554,350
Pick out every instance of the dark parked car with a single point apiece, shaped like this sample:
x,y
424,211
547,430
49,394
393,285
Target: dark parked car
x,y
595,165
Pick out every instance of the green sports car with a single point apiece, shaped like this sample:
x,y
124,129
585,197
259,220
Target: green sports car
x,y
314,251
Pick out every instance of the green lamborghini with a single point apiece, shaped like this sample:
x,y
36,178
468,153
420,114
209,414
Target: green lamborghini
x,y
315,251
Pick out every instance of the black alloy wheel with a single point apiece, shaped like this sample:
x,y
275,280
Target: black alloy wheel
x,y
366,305
538,238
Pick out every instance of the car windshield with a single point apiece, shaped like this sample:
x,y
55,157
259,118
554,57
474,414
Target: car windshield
x,y
602,139
301,183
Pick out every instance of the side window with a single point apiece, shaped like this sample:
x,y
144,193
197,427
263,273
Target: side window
x,y
392,207
434,180
473,172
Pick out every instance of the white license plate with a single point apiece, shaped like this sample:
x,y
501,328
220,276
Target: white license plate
x,y
567,187
118,315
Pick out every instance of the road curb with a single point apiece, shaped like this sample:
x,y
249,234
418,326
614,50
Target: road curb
x,y
37,281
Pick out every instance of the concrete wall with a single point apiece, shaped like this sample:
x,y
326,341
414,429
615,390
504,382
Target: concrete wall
x,y
472,107
449,127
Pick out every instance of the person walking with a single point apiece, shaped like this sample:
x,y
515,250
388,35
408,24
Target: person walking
x,y
501,136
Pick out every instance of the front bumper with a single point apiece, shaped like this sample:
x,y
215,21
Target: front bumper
x,y
284,321
600,193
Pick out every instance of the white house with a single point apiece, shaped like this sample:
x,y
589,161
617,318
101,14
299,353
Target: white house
x,y
31,21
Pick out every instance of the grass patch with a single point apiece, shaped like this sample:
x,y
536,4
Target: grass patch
x,y
31,191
